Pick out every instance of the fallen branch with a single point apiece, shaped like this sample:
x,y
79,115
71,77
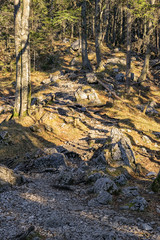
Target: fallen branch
x,y
24,235
111,92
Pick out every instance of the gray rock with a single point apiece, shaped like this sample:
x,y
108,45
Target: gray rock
x,y
121,149
139,204
119,77
93,203
121,180
54,160
75,45
130,191
88,94
100,160
146,139
104,197
65,40
93,177
65,177
105,184
54,78
91,78
147,227
4,135
46,81
80,94
73,62
158,209
116,50
157,134
151,174
115,70
9,176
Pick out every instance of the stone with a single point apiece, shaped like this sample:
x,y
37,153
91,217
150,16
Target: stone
x,y
4,135
105,184
151,174
100,160
147,227
91,78
75,45
121,180
65,40
73,62
87,95
54,160
146,139
9,176
157,134
119,77
138,204
46,81
115,70
158,209
121,149
104,197
93,177
130,191
116,50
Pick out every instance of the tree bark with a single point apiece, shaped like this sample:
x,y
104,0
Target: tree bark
x,y
128,57
145,69
97,32
17,20
85,61
22,96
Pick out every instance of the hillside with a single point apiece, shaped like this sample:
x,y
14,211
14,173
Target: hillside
x,y
73,117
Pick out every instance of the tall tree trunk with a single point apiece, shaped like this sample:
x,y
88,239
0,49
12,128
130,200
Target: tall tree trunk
x,y
145,69
85,61
22,97
17,22
97,32
128,57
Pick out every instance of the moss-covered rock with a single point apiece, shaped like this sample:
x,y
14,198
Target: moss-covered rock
x,y
156,184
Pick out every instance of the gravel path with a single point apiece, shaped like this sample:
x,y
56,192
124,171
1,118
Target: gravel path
x,y
62,215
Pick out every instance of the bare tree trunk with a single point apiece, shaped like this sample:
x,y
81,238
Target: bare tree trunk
x,y
97,32
25,57
22,99
145,69
128,57
17,19
85,61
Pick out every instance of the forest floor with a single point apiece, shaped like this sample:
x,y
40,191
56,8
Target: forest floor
x,y
57,119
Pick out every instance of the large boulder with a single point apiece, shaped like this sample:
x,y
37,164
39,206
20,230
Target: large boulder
x,y
54,160
7,175
105,184
86,95
121,149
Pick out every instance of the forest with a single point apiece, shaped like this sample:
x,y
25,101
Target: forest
x,y
79,119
